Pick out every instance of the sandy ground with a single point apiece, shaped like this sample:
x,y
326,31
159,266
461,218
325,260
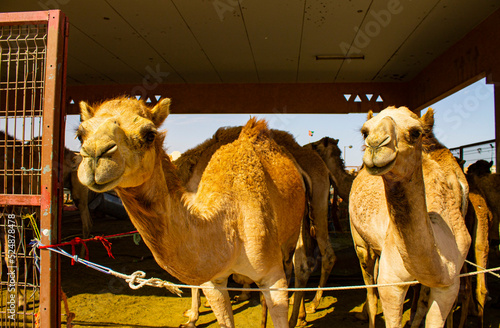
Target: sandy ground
x,y
100,300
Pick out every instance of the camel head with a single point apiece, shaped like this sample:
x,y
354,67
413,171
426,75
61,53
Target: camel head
x,y
393,141
120,142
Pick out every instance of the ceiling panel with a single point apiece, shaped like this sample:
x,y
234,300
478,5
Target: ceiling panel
x,y
274,33
329,27
384,29
443,27
164,29
229,41
221,33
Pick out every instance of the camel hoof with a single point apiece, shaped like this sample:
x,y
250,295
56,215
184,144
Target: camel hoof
x,y
187,313
187,325
241,298
301,323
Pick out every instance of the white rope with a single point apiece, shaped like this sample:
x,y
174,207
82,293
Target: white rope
x,y
136,281
480,267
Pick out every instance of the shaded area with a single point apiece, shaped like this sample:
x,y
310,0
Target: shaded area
x,y
101,300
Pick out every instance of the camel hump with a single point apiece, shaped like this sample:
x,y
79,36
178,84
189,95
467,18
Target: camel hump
x,y
254,129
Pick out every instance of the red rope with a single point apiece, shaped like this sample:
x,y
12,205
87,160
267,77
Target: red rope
x,y
79,241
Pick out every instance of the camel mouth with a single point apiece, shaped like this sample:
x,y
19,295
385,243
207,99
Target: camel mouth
x,y
381,170
103,187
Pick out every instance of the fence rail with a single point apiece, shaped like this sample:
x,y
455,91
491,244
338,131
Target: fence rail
x,y
471,153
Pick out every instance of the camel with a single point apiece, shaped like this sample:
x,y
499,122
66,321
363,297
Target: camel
x,y
481,220
329,151
489,185
250,200
406,221
191,166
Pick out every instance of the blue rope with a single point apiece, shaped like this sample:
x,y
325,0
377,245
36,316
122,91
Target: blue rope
x,y
95,266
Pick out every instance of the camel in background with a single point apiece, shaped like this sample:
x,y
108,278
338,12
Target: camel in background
x,y
405,218
191,166
249,202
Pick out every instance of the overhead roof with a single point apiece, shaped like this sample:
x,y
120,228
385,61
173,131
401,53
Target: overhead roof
x,y
255,41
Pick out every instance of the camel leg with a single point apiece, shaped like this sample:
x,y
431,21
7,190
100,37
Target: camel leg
x,y
263,321
367,260
302,273
276,300
441,301
328,258
194,312
392,297
481,250
421,306
220,302
246,282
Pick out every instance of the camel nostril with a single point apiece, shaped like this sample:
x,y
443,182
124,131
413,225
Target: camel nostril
x,y
385,142
110,150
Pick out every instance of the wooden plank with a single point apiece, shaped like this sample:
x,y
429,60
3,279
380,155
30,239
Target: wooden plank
x,y
259,97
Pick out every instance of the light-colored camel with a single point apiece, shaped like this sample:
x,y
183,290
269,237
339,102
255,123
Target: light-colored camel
x,y
192,164
330,152
457,181
405,218
250,200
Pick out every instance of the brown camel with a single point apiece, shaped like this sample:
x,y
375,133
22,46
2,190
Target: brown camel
x,y
480,218
329,151
250,200
489,184
405,218
191,166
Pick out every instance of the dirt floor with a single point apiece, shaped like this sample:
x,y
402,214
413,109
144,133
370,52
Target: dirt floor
x,y
100,300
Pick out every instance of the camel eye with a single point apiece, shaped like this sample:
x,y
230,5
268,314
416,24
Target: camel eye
x,y
150,136
415,134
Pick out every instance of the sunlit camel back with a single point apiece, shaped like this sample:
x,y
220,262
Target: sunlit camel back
x,y
250,200
192,164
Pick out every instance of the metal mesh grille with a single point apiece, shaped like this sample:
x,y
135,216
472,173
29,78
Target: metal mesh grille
x,y
19,283
22,67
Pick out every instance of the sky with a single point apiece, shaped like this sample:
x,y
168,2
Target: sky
x,y
463,118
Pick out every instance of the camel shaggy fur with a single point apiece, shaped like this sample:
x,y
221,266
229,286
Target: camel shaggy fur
x,y
249,202
405,218
192,165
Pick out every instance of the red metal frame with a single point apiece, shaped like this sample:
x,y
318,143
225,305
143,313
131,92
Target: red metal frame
x,y
50,199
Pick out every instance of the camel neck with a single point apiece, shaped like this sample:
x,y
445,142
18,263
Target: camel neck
x,y
410,224
343,180
169,229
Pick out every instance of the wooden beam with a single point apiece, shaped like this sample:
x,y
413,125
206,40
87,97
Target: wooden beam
x,y
473,57
254,97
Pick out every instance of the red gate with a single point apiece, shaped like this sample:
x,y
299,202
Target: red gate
x,y
33,47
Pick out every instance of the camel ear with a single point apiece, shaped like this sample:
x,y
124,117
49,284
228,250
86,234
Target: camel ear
x,y
428,118
490,164
370,115
161,111
86,111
